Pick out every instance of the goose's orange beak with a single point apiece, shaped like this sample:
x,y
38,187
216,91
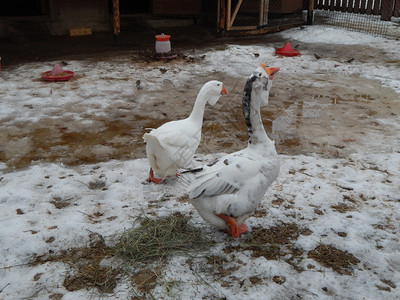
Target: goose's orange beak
x,y
270,71
224,91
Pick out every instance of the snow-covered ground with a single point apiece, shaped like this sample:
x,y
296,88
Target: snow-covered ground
x,y
350,203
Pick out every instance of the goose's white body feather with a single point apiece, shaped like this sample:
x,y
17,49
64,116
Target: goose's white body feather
x,y
173,145
234,185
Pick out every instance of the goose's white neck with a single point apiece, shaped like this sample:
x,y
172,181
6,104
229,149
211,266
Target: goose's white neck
x,y
199,106
258,138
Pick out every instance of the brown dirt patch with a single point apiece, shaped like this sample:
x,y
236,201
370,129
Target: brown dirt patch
x,y
342,207
146,280
219,266
281,234
331,257
85,269
91,276
273,243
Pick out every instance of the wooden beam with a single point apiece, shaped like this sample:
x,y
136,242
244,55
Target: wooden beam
x,y
387,10
228,15
310,12
117,22
243,27
221,14
369,7
261,31
362,8
265,12
396,12
332,5
235,12
350,5
356,6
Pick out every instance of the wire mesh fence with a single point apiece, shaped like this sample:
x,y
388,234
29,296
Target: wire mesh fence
x,y
371,24
378,17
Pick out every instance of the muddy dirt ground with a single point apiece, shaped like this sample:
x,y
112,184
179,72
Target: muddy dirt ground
x,y
334,120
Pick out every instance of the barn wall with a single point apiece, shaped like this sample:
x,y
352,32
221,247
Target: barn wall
x,y
177,7
3,28
66,14
58,16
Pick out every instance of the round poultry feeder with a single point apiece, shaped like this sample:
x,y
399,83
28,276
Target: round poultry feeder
x,y
287,50
163,45
57,74
66,76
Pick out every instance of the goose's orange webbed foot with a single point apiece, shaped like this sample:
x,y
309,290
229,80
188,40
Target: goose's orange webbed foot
x,y
153,179
233,229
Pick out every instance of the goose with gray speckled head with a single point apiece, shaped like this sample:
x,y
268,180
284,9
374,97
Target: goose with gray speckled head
x,y
226,192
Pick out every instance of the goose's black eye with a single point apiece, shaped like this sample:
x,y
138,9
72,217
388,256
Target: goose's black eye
x,y
259,74
218,84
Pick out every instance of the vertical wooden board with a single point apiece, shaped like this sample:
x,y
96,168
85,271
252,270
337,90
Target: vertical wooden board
x,y
345,6
228,14
338,5
356,6
117,24
326,4
396,12
350,6
332,5
376,10
222,14
233,17
369,7
266,10
362,6
387,10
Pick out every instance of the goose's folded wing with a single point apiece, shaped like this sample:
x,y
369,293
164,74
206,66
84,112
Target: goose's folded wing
x,y
227,176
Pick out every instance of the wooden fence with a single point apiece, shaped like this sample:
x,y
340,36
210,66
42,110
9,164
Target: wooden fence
x,y
385,8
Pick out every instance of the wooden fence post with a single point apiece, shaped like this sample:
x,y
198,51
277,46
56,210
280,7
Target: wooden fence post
x,y
265,12
117,24
387,10
396,12
310,12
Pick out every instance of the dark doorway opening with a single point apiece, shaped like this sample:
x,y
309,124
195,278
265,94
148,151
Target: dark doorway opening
x,y
129,7
22,8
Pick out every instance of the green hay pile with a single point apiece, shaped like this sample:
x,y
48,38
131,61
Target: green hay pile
x,y
157,239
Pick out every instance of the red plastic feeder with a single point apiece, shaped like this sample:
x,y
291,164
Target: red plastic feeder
x,y
287,50
57,74
163,37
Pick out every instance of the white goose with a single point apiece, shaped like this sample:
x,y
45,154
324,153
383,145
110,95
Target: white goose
x,y
173,145
226,192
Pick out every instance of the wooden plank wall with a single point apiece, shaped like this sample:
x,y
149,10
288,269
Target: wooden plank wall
x,y
385,8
